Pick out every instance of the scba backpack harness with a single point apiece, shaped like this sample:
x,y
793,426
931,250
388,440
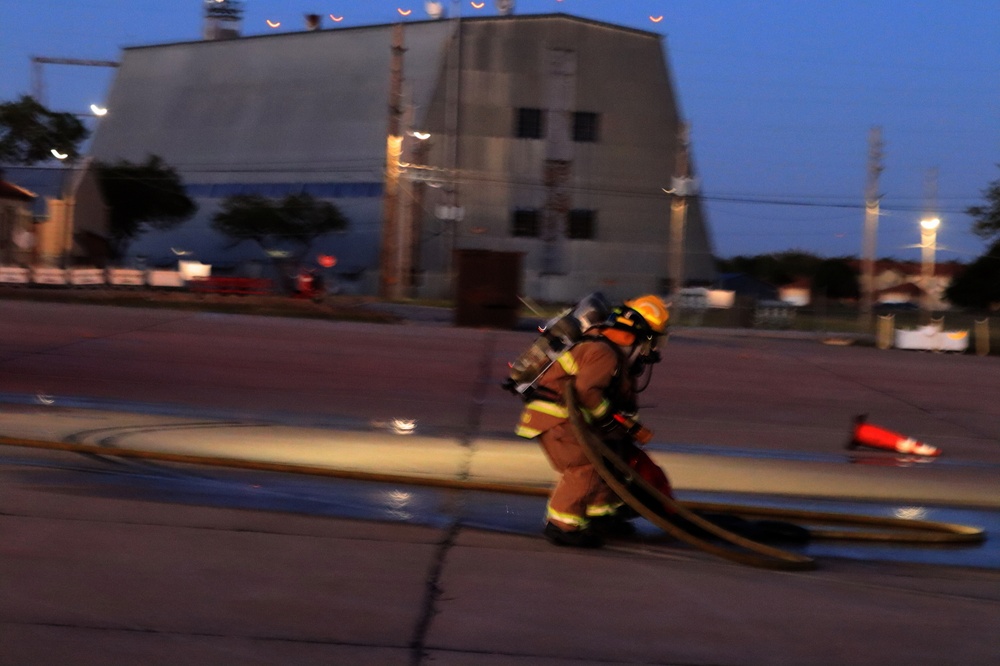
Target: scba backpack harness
x,y
556,338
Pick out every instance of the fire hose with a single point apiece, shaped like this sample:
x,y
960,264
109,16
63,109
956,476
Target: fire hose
x,y
872,528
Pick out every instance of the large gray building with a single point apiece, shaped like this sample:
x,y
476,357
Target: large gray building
x,y
549,135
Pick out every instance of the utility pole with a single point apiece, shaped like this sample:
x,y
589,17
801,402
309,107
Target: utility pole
x,y
390,273
682,187
928,239
38,75
872,198
452,209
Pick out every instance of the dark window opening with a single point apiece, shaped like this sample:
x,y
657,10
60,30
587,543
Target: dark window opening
x,y
582,224
530,124
585,126
525,223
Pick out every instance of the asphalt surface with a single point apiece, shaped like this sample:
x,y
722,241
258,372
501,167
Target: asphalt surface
x,y
111,561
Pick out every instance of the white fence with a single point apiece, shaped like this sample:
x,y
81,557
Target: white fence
x,y
99,277
14,275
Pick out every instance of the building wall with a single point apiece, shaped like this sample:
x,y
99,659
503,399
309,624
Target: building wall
x,y
619,74
291,112
274,115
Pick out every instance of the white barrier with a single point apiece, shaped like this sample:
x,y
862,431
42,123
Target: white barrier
x,y
85,276
700,298
194,269
126,277
721,298
48,276
932,338
118,277
163,278
14,275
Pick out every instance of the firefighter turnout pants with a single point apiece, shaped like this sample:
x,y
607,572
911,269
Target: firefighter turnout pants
x,y
580,493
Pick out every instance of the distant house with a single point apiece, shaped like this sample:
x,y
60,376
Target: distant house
x,y
16,223
68,219
905,292
902,282
798,292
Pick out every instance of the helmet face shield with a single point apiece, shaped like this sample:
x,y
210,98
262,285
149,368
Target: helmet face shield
x,y
649,350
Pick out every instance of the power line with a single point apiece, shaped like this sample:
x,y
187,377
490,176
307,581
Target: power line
x,y
800,201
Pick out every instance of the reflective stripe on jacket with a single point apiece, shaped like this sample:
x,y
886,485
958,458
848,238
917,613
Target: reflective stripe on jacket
x,y
594,366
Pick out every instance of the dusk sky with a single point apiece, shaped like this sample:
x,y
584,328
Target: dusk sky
x,y
780,94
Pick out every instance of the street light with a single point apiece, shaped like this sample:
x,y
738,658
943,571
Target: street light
x,y
928,247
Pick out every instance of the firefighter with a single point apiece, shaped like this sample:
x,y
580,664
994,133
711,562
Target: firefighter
x,y
606,364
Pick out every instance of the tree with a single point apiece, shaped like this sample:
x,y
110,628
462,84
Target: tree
x,y
986,218
835,279
777,269
296,220
142,196
978,286
29,132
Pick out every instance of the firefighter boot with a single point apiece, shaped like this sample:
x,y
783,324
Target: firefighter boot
x,y
615,526
573,538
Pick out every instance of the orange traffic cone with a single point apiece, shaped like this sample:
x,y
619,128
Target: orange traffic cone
x,y
875,437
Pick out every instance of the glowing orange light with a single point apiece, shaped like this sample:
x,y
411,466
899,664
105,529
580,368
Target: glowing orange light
x,y
273,24
478,5
336,19
404,12
655,19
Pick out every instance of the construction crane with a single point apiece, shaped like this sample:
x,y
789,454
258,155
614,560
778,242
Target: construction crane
x,y
37,72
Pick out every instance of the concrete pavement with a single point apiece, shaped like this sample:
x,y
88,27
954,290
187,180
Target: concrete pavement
x,y
95,576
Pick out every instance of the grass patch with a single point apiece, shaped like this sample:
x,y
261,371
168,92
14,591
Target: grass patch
x,y
334,308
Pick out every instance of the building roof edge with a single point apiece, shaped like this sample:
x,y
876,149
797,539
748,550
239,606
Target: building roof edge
x,y
476,19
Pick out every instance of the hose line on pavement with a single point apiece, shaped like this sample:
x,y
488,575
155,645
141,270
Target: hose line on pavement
x,y
850,526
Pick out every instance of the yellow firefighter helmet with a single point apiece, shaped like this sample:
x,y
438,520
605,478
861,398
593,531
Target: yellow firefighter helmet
x,y
653,310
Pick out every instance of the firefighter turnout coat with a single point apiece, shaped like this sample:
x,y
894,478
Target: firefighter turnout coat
x,y
603,386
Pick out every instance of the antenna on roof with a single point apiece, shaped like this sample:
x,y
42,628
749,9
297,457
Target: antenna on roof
x,y
434,9
223,19
505,7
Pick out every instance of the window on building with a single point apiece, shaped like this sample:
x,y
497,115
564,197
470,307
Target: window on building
x,y
530,124
525,223
582,224
585,126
